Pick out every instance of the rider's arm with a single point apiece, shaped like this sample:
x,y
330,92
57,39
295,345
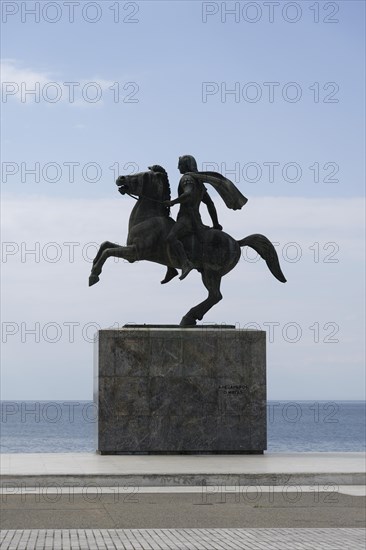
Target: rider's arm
x,y
211,210
186,184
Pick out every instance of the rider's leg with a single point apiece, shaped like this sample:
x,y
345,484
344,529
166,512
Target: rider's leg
x,y
175,246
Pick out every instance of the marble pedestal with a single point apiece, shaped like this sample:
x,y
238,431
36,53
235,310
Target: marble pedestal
x,y
174,390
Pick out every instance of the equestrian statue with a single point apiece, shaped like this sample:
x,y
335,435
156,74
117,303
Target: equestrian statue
x,y
186,243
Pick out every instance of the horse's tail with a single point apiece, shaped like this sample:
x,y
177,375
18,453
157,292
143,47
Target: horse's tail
x,y
267,251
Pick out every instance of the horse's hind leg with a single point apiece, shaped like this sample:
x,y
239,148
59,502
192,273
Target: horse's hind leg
x,y
212,281
126,252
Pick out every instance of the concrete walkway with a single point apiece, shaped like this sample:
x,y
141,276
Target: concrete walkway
x,y
268,469
185,539
213,507
77,501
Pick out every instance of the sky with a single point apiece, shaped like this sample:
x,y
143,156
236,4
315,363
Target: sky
x,y
268,93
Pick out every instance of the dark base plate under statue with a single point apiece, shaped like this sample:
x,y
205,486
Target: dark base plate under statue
x,y
171,390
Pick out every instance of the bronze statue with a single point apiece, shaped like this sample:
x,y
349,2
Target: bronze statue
x,y
187,243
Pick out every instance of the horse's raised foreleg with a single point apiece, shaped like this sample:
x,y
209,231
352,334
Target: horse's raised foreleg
x,y
212,281
126,252
102,248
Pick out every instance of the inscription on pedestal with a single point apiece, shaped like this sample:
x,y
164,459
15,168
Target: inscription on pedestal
x,y
174,390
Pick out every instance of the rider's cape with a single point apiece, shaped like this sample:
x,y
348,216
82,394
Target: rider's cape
x,y
229,193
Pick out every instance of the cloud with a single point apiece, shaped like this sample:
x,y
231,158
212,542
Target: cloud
x,y
12,71
29,86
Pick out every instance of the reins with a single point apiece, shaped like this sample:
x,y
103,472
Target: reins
x,y
143,197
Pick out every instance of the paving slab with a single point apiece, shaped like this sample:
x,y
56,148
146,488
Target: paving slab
x,y
185,539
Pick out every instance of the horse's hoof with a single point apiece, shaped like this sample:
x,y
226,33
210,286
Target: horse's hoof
x,y
188,321
93,279
170,274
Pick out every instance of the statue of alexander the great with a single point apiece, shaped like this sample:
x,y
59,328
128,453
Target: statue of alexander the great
x,y
187,243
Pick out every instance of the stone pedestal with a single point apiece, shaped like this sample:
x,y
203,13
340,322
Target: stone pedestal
x,y
174,390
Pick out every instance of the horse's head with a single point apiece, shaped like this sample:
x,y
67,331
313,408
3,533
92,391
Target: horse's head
x,y
153,184
132,184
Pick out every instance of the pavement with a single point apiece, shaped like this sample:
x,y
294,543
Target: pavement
x,y
272,501
184,539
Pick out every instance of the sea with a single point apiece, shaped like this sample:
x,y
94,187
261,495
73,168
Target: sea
x,y
293,426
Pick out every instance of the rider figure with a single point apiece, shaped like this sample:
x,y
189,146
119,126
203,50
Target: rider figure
x,y
191,192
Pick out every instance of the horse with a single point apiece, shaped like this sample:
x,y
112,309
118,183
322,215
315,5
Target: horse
x,y
213,252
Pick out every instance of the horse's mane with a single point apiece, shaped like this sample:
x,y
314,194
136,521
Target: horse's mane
x,y
166,185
